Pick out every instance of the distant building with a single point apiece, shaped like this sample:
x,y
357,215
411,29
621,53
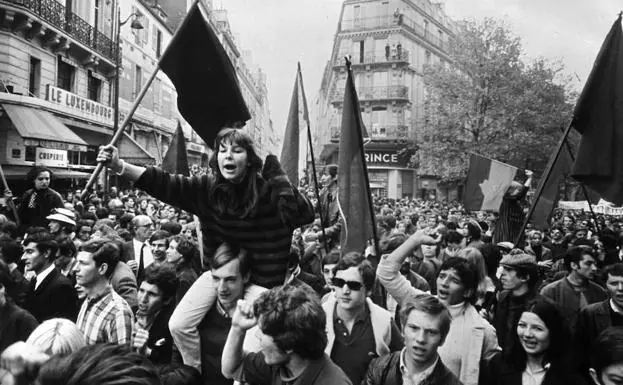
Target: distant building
x,y
389,43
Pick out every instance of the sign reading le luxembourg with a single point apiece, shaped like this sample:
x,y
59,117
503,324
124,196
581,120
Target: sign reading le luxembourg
x,y
80,106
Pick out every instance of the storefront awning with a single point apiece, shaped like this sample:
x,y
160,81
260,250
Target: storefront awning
x,y
19,172
41,125
132,152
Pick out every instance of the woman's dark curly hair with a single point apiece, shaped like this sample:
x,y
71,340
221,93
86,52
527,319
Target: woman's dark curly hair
x,y
239,200
294,318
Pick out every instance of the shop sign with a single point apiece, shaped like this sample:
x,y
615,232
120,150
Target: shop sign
x,y
386,158
195,147
51,157
82,107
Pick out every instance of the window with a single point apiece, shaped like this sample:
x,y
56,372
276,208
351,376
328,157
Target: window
x,y
427,58
361,51
138,80
157,42
31,154
34,78
94,86
425,27
65,75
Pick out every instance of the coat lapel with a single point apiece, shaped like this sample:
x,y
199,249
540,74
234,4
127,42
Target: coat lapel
x,y
47,281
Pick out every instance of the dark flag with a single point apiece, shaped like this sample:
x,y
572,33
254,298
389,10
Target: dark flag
x,y
175,160
208,93
598,116
487,182
290,152
354,196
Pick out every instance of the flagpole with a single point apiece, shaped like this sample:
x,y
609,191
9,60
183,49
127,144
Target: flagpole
x,y
10,204
137,102
365,166
590,206
548,172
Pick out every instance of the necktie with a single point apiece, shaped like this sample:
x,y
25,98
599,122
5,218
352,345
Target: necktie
x,y
141,264
31,203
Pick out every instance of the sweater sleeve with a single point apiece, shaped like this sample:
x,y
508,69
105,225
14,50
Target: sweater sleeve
x,y
182,192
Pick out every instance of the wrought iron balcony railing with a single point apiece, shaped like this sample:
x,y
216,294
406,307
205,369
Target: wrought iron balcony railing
x,y
56,14
390,21
379,132
394,56
375,93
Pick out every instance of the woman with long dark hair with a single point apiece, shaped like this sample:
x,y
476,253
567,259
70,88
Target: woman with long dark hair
x,y
543,355
242,202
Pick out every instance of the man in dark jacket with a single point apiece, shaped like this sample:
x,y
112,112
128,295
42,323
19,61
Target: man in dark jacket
x,y
328,206
156,301
426,323
16,324
51,294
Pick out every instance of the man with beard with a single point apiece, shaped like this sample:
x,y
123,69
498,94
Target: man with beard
x,y
156,302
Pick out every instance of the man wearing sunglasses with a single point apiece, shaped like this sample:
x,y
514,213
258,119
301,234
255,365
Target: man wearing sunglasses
x,y
357,329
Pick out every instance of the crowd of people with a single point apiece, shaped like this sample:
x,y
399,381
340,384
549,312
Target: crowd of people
x,y
236,275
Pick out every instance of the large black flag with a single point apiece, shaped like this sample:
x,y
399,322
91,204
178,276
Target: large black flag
x,y
598,116
208,93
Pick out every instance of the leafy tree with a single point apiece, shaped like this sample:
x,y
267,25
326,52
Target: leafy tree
x,y
488,100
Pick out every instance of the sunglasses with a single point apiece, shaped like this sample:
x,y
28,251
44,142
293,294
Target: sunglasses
x,y
352,285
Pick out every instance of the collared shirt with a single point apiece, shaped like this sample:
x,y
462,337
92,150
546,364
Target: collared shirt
x,y
41,276
106,318
415,378
529,377
148,258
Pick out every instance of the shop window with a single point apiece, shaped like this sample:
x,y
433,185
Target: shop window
x,y
73,157
34,77
65,75
89,158
94,87
31,154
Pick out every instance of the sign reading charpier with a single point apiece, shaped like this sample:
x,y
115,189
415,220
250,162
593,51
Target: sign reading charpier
x,y
78,105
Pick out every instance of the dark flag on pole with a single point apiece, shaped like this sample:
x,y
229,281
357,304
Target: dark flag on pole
x,y
354,190
298,115
208,93
598,116
176,160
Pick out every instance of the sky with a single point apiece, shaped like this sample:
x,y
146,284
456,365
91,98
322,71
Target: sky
x,y
280,33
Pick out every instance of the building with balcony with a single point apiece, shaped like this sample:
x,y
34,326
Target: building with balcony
x,y
389,42
57,62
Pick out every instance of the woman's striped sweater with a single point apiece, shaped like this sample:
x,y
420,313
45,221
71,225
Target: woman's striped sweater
x,y
267,235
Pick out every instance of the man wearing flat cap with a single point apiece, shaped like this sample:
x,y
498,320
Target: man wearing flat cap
x,y
519,279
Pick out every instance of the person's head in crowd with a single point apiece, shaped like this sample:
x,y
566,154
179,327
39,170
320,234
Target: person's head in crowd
x,y
189,230
66,252
125,220
95,262
142,227
425,324
90,217
101,212
492,255
9,228
57,336
103,222
386,224
40,177
401,227
542,333
328,265
292,324
39,250
235,156
183,220
557,233
608,239
474,232
519,272
429,251
535,238
159,242
10,251
457,281
61,221
102,230
172,227
455,242
179,375
128,202
581,262
6,284
114,204
607,357
230,272
329,175
115,214
474,256
160,283
181,250
353,282
92,209
581,232
102,364
83,230
568,221
613,275
125,235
